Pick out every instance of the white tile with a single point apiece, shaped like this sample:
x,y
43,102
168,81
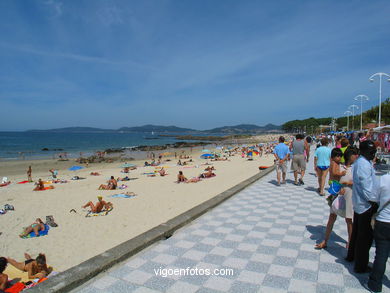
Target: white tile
x,y
218,283
138,277
184,244
302,286
251,277
235,262
282,271
180,287
330,278
221,251
287,252
247,247
164,259
136,262
194,254
104,282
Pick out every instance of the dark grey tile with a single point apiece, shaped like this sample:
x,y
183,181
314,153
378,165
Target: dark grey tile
x,y
331,267
214,259
120,286
291,245
159,283
203,247
257,267
276,282
243,287
241,254
308,255
228,244
307,275
284,261
267,249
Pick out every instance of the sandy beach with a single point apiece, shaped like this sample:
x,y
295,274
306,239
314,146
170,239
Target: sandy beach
x,y
78,238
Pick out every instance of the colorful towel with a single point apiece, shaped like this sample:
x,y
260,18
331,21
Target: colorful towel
x,y
23,182
102,213
121,195
41,233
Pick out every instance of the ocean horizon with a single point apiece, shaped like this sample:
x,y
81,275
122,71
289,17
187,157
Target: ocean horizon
x,y
29,145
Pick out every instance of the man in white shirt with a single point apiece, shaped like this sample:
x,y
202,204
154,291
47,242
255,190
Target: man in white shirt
x,y
364,206
381,235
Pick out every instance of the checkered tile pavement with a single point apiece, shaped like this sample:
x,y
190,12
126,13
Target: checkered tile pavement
x,y
265,233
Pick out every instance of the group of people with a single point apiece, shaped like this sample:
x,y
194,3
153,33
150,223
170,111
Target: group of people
x,y
208,174
352,179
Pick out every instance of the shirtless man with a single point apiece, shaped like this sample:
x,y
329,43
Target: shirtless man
x,y
3,277
99,205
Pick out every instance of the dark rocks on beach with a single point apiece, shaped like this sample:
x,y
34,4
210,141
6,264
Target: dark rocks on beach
x,y
56,150
110,151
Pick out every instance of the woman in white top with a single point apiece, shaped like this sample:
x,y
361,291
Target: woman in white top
x,y
350,155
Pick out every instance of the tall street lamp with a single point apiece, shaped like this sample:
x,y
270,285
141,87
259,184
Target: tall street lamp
x,y
353,107
361,98
347,113
380,74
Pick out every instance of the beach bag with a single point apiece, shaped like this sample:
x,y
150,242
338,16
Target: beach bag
x,y
373,219
339,206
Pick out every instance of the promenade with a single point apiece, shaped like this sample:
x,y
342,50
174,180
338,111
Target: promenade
x,y
264,234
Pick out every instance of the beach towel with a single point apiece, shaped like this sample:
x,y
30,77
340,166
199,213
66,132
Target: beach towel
x,y
46,188
23,182
5,184
102,213
123,186
41,233
15,288
122,195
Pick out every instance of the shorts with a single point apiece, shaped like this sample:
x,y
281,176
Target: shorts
x,y
298,163
323,168
281,167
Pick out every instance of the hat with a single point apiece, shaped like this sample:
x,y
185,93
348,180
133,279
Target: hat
x,y
100,197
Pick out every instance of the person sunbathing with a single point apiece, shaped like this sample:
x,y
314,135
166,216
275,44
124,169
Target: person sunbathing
x,y
40,185
99,206
3,277
54,173
112,184
123,179
95,173
162,172
207,174
210,168
34,227
126,170
193,180
36,268
181,177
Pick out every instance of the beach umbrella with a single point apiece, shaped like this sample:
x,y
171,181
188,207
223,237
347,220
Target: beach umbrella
x,y
219,148
206,151
75,168
127,165
205,156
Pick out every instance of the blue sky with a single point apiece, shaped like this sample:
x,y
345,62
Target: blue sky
x,y
198,64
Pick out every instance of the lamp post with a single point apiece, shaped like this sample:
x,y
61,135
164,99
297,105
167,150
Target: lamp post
x,y
353,107
361,98
380,74
347,113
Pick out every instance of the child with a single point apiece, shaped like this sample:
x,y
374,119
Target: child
x,y
335,174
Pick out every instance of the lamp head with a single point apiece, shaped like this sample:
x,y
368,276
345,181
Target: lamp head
x,y
371,79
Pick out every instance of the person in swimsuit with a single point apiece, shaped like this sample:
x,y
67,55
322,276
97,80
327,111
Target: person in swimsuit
x,y
40,185
322,163
112,184
34,227
162,172
181,177
36,268
3,277
335,174
98,207
29,172
351,154
207,174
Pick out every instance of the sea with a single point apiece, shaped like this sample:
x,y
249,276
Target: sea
x,y
31,145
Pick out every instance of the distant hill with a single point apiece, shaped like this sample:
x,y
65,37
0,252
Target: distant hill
x,y
245,128
73,130
238,129
155,128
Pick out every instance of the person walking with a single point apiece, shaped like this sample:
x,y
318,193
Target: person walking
x,y
381,235
322,164
29,172
282,154
364,206
298,165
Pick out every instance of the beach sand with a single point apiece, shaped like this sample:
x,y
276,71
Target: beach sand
x,y
78,238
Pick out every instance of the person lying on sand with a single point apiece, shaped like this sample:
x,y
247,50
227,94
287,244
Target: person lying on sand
x,y
34,227
123,179
193,180
181,177
98,207
40,185
95,173
126,170
162,172
210,168
36,268
207,174
112,184
3,277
